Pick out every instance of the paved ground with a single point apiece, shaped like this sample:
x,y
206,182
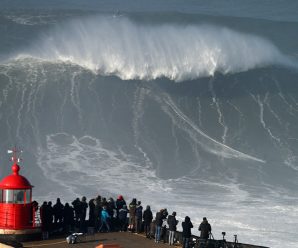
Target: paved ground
x,y
125,239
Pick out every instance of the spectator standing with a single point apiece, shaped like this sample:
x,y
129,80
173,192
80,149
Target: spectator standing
x,y
158,223
44,220
68,218
132,215
147,217
122,216
97,212
172,222
205,229
58,211
83,213
139,215
186,231
91,219
105,219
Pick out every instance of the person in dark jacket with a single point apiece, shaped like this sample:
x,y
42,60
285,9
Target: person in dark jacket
x,y
122,216
44,220
68,218
50,216
205,229
97,212
111,208
120,202
163,233
158,223
172,222
77,209
139,215
58,213
147,217
186,231
91,220
82,214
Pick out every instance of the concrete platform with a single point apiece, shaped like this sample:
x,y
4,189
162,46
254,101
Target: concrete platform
x,y
124,239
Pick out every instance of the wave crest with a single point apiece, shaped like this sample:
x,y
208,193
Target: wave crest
x,y
118,46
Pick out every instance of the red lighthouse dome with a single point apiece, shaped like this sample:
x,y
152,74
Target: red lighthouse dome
x,y
15,180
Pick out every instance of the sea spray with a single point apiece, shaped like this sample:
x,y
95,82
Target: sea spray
x,y
121,47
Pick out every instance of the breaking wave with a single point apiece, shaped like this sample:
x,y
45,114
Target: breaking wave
x,y
121,47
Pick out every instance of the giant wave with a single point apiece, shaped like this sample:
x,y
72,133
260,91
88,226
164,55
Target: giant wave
x,y
121,47
221,144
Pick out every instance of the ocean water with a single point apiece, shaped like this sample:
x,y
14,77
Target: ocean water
x,y
189,105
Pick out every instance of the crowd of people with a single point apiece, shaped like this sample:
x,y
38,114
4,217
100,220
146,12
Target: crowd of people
x,y
116,215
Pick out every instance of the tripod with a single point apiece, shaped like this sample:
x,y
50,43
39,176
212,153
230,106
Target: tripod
x,y
235,244
223,243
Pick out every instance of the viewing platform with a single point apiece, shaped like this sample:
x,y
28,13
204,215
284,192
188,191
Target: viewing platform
x,y
123,239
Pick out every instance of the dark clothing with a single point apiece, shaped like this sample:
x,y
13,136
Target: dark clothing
x,y
186,226
119,204
77,208
123,214
83,210
158,218
91,213
205,229
186,232
44,217
139,212
172,222
68,217
97,214
147,217
58,212
123,219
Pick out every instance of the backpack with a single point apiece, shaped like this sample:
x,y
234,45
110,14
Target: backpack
x,y
71,239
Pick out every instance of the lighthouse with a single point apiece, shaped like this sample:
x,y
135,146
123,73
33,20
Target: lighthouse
x,y
17,211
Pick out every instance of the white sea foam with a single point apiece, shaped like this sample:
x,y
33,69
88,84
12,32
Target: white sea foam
x,y
118,46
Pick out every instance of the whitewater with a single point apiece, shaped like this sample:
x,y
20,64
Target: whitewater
x,y
189,106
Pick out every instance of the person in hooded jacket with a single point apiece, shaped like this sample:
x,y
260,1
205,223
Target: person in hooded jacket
x,y
186,232
163,233
105,219
111,208
77,209
44,220
68,217
205,229
139,215
132,214
120,202
83,213
147,217
58,211
123,218
172,222
158,223
50,216
91,219
97,212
